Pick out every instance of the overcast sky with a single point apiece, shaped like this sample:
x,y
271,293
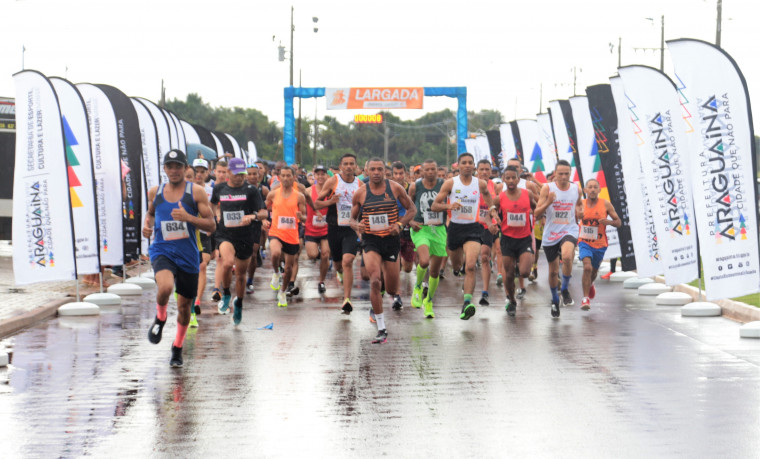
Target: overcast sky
x,y
502,51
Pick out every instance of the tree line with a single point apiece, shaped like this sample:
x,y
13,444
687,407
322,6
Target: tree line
x,y
432,135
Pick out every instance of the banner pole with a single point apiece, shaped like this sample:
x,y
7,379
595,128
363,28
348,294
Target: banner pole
x,y
100,277
78,298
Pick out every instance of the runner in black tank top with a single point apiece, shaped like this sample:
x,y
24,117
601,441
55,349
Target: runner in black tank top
x,y
380,226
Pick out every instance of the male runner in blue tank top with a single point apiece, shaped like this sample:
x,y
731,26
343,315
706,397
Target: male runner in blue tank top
x,y
175,210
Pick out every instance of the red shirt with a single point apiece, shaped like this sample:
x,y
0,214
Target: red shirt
x,y
515,221
316,221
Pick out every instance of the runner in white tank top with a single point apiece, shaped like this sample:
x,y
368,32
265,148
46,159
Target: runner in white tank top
x,y
561,202
461,196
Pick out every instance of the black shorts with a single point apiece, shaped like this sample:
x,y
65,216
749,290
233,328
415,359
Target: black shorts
x,y
315,239
256,234
290,249
301,231
185,283
206,243
513,248
243,246
459,233
388,246
342,240
487,237
553,251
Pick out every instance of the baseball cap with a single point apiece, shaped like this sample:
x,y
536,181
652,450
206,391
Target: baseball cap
x,y
320,168
200,162
175,156
237,166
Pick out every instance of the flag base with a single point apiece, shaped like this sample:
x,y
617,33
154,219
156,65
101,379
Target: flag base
x,y
701,309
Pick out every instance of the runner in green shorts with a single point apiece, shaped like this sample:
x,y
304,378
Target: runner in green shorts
x,y
428,235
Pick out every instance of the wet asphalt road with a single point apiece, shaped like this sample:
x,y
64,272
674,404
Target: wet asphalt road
x,y
626,379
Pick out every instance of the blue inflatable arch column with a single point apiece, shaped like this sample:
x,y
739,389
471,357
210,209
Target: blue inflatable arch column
x,y
289,133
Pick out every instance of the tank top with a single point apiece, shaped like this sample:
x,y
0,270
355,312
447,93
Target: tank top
x,y
316,223
515,215
340,213
284,217
592,232
174,239
560,216
423,199
469,197
379,211
483,208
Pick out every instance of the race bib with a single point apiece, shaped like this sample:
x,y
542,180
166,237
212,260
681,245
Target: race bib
x,y
318,221
378,222
484,215
233,219
287,223
344,215
517,220
561,217
432,218
172,230
590,233
465,213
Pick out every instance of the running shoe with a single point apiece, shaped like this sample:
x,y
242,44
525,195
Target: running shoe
x,y
282,300
193,321
216,295
555,310
417,297
249,286
586,304
567,300
295,290
340,276
397,303
382,337
224,305
427,306
372,318
456,273
592,292
197,308
274,284
607,276
237,313
155,331
533,275
521,293
468,310
176,361
499,280
484,299
347,307
289,290
511,307
321,287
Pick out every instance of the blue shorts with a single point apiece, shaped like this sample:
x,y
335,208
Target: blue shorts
x,y
596,255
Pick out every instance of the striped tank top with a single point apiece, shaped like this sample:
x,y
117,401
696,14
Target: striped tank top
x,y
379,211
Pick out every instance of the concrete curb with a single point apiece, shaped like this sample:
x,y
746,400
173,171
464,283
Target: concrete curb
x,y
15,324
734,310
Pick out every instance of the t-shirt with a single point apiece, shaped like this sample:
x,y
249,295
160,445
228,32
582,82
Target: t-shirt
x,y
234,203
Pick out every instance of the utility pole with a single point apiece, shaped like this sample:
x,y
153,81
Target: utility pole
x,y
575,79
386,133
23,51
662,44
292,28
540,97
718,25
620,52
299,154
316,134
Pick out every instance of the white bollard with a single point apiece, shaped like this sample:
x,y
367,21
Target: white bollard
x,y
653,289
103,299
701,309
636,282
673,299
125,289
750,330
4,359
143,282
621,276
79,308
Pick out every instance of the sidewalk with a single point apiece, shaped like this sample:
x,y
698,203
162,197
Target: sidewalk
x,y
25,305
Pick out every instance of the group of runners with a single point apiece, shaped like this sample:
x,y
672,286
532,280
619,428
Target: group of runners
x,y
391,216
